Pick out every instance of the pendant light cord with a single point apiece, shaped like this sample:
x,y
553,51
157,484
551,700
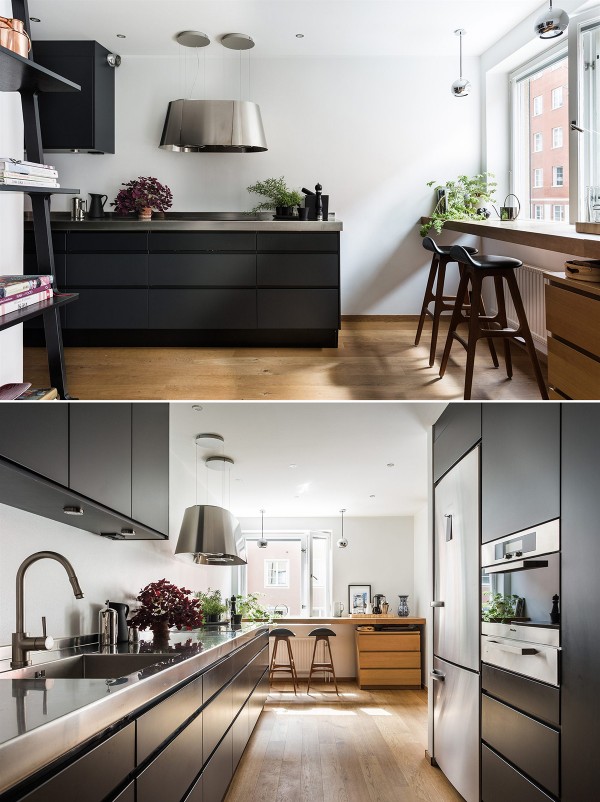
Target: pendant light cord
x,y
460,36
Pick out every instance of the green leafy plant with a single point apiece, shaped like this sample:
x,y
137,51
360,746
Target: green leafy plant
x,y
460,200
277,192
500,608
250,607
211,602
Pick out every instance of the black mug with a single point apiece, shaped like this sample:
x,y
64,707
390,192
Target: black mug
x,y
97,205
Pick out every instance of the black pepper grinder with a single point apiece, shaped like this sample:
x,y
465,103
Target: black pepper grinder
x,y
318,202
232,606
554,613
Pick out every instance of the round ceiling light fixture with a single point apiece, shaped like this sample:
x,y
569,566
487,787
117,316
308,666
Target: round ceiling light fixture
x,y
197,407
209,440
342,542
299,36
551,23
461,87
219,463
192,39
237,41
121,36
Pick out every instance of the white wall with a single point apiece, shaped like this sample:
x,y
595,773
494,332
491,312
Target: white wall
x,y
11,223
373,131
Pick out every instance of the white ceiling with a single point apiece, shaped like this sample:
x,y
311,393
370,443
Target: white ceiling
x,y
341,451
330,27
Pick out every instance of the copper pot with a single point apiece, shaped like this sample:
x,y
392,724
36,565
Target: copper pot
x,y
14,37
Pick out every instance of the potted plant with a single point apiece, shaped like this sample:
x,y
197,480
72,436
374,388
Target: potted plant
x,y
248,607
500,609
462,199
280,197
143,195
212,605
164,605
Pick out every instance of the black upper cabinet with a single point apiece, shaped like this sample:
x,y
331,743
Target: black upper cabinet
x,y
454,433
37,441
520,467
150,465
580,544
85,120
100,453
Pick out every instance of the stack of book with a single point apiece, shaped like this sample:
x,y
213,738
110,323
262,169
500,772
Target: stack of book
x,y
27,174
17,292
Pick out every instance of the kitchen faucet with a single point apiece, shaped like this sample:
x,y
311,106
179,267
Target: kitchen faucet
x,y
22,642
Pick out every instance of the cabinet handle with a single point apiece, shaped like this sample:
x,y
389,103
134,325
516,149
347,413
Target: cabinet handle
x,y
504,647
438,676
437,604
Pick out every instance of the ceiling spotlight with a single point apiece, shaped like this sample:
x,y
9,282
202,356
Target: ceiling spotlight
x,y
342,542
209,440
461,87
293,465
391,465
35,19
121,36
372,495
219,463
551,23
262,543
299,36
73,510
197,407
114,60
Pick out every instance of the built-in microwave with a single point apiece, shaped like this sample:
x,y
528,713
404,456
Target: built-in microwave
x,y
516,552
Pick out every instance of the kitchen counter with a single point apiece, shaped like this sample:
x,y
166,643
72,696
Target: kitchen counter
x,y
42,719
357,620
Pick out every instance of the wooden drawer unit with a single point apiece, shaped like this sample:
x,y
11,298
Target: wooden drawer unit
x,y
388,659
573,320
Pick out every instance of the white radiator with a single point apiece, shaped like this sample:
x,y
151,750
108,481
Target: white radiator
x,y
531,284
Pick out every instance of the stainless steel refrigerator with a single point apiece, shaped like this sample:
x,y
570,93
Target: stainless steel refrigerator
x,y
456,616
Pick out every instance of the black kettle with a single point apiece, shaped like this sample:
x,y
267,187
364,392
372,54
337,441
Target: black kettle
x,y
122,613
96,208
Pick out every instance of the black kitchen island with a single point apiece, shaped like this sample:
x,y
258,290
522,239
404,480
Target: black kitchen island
x,y
187,280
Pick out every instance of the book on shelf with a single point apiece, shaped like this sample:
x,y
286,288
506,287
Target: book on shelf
x,y
6,163
17,182
8,392
38,394
22,303
52,176
21,170
14,284
24,294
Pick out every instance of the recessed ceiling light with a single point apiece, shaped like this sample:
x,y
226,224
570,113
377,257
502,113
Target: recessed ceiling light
x,y
299,36
197,408
372,496
121,36
69,510
390,465
34,19
293,465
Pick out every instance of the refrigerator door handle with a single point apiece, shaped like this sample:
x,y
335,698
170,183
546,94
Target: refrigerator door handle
x,y
505,647
437,603
438,676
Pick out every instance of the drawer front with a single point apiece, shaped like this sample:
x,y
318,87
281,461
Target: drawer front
x,y
531,697
390,676
241,688
59,241
240,734
390,660
573,317
244,655
531,746
573,373
203,270
393,643
109,309
257,701
202,309
202,241
103,241
217,719
30,268
176,767
107,270
541,665
219,771
158,724
297,270
323,241
501,782
298,309
215,678
93,776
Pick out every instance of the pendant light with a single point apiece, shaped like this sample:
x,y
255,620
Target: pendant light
x,y
342,542
461,87
262,543
551,23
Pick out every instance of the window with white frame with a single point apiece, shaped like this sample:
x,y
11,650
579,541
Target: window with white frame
x,y
557,137
557,97
538,211
538,105
277,573
558,213
537,142
538,177
558,178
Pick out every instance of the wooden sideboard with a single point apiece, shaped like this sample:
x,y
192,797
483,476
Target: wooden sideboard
x,y
388,659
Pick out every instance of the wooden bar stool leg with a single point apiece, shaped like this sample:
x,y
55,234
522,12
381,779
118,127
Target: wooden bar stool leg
x,y
503,320
474,331
428,296
455,319
490,342
332,667
525,333
437,307
273,660
312,662
292,666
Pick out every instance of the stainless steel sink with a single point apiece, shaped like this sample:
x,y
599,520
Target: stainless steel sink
x,y
87,666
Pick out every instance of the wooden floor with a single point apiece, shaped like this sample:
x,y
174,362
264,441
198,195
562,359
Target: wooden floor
x,y
376,359
365,746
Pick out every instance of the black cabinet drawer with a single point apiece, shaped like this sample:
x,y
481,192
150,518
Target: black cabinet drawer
x,y
202,241
112,270
531,746
109,309
500,782
298,241
298,309
217,717
297,270
30,268
257,701
219,771
103,241
158,724
215,678
59,241
528,695
175,769
202,309
93,776
203,270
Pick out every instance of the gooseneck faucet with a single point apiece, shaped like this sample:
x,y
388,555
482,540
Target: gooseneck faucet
x,y
22,642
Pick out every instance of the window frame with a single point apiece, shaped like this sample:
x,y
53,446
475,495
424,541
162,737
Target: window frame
x,y
561,218
537,170
562,101
538,137
537,206
555,129
268,572
541,110
555,169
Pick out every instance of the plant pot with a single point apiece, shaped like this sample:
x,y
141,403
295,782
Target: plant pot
x,y
160,632
236,620
284,211
212,618
145,213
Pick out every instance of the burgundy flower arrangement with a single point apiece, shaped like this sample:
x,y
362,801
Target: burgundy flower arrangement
x,y
143,195
164,604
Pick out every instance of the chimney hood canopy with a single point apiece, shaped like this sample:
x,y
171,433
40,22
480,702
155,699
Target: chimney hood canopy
x,y
213,126
212,535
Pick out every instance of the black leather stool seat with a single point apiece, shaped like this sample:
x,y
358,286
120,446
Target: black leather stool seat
x,y
442,250
493,262
282,632
324,631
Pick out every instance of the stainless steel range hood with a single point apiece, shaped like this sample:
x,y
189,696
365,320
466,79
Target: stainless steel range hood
x,y
212,535
213,126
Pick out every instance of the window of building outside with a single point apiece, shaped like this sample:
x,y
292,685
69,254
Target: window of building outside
x,y
277,573
558,213
539,90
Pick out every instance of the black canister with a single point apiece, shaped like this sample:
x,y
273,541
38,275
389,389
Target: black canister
x,y
122,611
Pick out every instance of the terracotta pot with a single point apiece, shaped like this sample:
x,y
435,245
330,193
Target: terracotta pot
x,y
145,213
160,631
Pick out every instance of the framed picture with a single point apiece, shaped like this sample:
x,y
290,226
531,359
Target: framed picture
x,y
358,597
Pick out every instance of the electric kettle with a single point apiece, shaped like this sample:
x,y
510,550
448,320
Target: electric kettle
x,y
122,611
378,600
96,205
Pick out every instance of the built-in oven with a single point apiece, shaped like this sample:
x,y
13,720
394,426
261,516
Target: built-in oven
x,y
521,551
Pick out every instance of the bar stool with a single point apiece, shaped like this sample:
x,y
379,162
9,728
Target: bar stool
x,y
441,303
283,635
473,273
322,635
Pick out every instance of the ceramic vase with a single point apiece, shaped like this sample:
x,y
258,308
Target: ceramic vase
x,y
403,610
160,631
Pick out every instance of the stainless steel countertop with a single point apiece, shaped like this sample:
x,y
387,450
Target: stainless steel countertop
x,y
185,221
41,720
